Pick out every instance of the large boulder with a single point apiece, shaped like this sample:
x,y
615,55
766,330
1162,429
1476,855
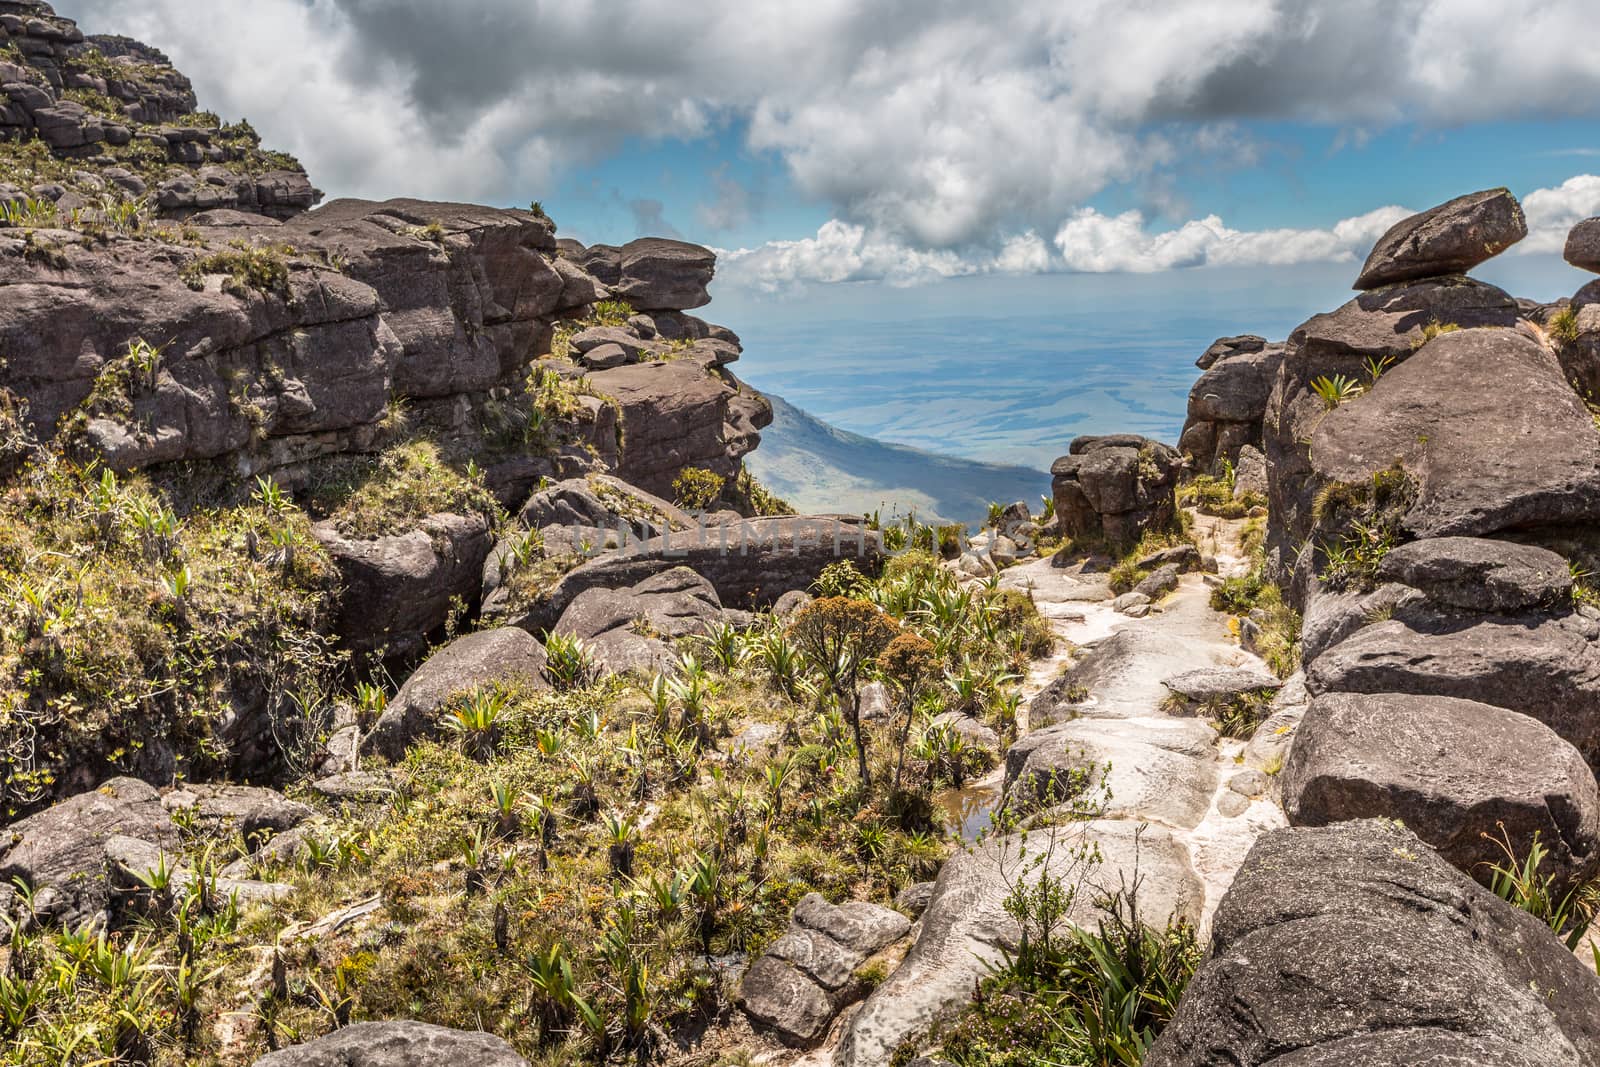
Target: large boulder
x,y
630,629
1544,666
401,587
1449,239
1463,776
398,1044
1223,347
1115,488
1478,574
1481,465
1227,404
60,852
1583,245
1386,325
750,564
255,812
503,656
1358,944
966,929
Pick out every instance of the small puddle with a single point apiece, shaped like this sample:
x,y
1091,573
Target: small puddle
x,y
969,810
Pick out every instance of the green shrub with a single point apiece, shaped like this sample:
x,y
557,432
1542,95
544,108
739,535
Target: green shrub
x,y
391,493
697,489
264,269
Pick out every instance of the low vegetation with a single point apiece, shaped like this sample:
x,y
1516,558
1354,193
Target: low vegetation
x,y
392,492
1218,495
1358,523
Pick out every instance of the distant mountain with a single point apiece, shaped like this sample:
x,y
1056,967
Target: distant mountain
x,y
817,467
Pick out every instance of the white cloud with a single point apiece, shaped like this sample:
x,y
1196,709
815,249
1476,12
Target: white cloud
x,y
942,124
1552,212
1094,243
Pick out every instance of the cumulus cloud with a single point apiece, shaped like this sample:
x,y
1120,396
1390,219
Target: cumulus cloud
x,y
936,124
1091,242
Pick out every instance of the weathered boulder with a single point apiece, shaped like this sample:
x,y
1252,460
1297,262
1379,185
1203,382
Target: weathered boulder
x,y
398,1044
60,852
1449,239
1159,583
1544,666
653,274
966,928
1377,326
807,975
1250,473
505,655
1115,487
1478,574
1481,466
131,865
1208,684
1462,775
749,563
678,414
399,588
1358,944
630,629
1226,407
1583,245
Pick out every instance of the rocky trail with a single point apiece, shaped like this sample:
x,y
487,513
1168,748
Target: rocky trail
x,y
1182,805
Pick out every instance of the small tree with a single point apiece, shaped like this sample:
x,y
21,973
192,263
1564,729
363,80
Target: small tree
x,y
908,664
841,637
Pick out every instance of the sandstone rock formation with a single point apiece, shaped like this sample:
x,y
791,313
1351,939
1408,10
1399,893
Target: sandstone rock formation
x,y
397,1044
1227,404
1114,488
1449,239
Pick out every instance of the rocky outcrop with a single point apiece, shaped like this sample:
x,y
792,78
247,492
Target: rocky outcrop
x,y
1477,574
1481,466
805,977
255,813
1115,488
1470,779
398,1044
127,120
1358,944
652,274
682,413
1583,245
1449,239
504,656
1227,404
1388,325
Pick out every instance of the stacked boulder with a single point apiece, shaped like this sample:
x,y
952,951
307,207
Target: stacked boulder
x,y
1115,488
1579,336
1430,511
1228,403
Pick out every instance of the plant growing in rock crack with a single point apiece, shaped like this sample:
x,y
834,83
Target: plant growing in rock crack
x,y
1336,389
477,721
696,489
1569,910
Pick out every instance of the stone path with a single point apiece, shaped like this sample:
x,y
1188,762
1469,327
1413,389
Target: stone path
x,y
1183,812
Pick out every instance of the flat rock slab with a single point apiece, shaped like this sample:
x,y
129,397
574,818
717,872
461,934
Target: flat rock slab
x,y
1479,574
1161,769
1221,683
1458,773
1544,666
1449,239
965,928
1358,944
398,1044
